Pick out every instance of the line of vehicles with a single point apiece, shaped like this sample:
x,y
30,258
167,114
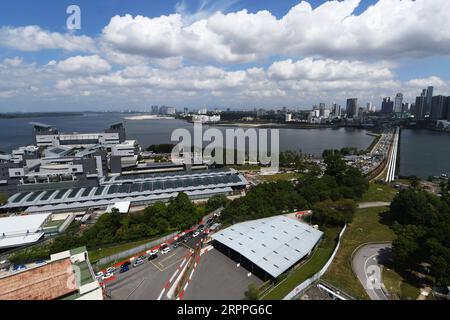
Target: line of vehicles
x,y
153,254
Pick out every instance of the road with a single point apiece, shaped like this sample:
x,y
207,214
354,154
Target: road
x,y
148,281
367,265
374,204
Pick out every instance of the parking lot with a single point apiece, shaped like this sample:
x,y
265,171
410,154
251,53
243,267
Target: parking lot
x,y
218,278
147,281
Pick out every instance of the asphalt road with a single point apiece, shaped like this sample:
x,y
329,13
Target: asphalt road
x,y
367,265
218,278
374,204
146,282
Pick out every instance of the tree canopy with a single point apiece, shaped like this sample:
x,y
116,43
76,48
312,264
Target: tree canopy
x,y
423,231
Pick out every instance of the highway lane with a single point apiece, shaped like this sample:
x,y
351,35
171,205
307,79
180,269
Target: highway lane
x,y
367,265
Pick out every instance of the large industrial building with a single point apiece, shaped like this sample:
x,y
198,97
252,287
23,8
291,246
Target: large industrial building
x,y
138,189
46,135
268,247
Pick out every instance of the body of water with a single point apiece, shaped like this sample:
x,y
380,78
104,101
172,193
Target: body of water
x,y
422,152
18,132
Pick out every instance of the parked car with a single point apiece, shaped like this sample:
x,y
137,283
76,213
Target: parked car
x,y
196,233
107,276
138,262
186,239
154,251
143,257
110,270
99,275
19,267
176,245
152,257
165,250
125,264
200,227
124,268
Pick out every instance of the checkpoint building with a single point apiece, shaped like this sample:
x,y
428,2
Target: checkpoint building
x,y
138,189
268,247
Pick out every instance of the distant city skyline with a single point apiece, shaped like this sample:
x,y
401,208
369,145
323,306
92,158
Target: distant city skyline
x,y
221,54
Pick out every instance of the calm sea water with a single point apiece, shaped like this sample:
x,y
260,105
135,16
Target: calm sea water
x,y
423,153
17,132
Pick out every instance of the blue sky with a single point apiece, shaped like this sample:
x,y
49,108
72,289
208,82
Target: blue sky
x,y
300,56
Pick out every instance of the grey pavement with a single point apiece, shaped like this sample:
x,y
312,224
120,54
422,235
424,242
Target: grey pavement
x,y
217,277
147,281
367,265
373,204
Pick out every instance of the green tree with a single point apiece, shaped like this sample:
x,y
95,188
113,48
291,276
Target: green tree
x,y
334,213
3,198
215,202
252,292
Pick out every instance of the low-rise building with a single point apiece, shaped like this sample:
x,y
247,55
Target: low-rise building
x,y
67,275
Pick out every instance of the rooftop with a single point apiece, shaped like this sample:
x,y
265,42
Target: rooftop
x,y
47,282
21,230
274,244
131,188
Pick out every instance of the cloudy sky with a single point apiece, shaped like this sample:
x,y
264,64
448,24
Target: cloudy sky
x,y
224,53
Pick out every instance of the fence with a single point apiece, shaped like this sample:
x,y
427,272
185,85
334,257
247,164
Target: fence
x,y
305,284
135,250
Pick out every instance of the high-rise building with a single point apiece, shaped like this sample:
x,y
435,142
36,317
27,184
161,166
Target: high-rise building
x,y
387,106
322,109
186,111
438,104
419,109
370,107
447,109
155,110
429,98
336,110
398,103
352,108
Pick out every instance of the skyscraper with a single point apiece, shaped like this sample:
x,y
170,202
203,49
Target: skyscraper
x,y
352,108
419,109
429,98
438,107
398,103
336,110
387,106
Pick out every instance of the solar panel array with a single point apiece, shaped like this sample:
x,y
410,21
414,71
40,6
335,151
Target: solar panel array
x,y
174,181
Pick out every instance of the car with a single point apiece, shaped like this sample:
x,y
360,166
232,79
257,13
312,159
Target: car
x,y
196,233
186,239
108,276
99,274
153,251
138,262
152,257
124,268
176,245
125,264
110,270
19,267
201,227
143,257
165,250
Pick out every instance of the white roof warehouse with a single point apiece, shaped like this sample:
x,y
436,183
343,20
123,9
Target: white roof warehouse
x,y
21,230
272,244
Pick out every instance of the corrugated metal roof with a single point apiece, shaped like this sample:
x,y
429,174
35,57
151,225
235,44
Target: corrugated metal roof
x,y
21,230
274,244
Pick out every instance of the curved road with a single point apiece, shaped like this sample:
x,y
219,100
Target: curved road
x,y
367,266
